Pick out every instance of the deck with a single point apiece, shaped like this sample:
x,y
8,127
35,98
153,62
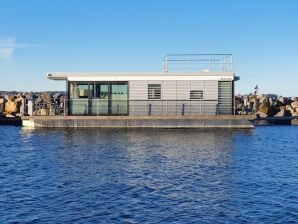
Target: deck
x,y
225,121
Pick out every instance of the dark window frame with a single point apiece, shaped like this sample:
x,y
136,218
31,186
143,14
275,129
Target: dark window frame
x,y
196,94
154,91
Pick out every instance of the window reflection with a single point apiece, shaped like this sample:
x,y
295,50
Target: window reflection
x,y
119,99
102,91
98,98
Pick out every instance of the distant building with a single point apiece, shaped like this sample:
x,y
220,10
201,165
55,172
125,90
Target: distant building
x,y
272,96
204,86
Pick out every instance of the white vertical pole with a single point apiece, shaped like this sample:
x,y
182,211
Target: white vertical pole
x,y
64,107
165,64
231,62
209,63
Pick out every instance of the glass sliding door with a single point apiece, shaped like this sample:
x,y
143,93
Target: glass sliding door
x,y
119,97
100,103
79,98
98,98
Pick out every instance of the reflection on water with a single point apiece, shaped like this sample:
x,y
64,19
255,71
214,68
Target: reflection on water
x,y
145,175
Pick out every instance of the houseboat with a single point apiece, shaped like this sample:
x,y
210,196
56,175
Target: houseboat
x,y
198,84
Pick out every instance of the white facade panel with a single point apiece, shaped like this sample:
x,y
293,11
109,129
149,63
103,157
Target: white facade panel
x,y
149,81
183,88
197,85
138,90
210,90
169,90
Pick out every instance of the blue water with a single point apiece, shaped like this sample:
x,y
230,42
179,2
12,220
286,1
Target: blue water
x,y
149,176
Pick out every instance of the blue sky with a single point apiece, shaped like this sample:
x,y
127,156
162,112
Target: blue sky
x,y
38,36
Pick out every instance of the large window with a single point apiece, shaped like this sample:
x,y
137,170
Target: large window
x,y
98,98
119,96
82,90
154,91
102,91
196,94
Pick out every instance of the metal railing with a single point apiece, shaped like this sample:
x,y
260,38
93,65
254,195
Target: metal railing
x,y
198,62
51,108
102,107
173,107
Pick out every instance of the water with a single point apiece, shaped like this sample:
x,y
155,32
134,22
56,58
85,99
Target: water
x,y
149,176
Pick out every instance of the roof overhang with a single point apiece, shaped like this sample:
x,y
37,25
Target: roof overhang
x,y
134,76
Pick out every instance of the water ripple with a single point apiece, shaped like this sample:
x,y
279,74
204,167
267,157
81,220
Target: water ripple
x,y
149,176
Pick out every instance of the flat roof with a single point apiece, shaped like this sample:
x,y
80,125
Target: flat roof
x,y
130,76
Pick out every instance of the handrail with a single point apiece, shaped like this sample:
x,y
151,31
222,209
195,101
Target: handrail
x,y
97,107
198,62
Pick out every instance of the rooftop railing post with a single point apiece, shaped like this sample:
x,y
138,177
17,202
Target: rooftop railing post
x,y
165,64
188,62
209,63
231,69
